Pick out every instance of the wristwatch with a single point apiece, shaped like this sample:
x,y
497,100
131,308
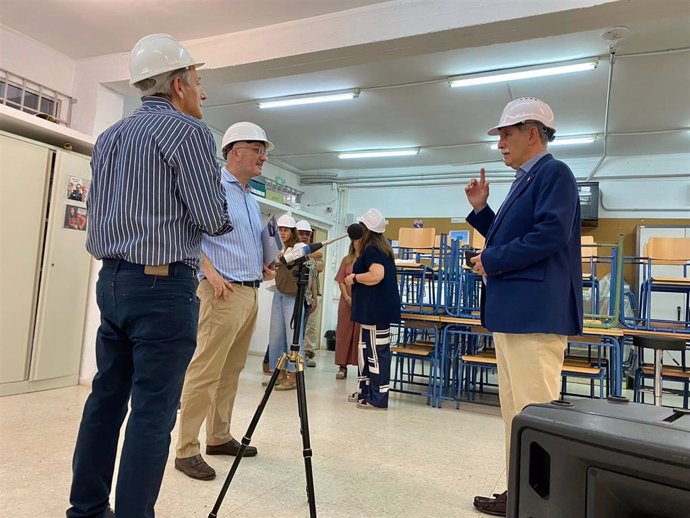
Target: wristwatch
x,y
354,278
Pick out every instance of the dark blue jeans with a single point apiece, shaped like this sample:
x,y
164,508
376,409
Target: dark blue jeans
x,y
145,341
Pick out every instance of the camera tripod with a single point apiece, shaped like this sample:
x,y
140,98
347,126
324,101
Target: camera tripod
x,y
294,356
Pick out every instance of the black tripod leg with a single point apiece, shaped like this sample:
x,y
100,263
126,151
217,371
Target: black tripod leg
x,y
247,439
306,444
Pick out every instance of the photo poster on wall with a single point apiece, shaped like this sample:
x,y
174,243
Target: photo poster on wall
x,y
75,218
460,235
78,188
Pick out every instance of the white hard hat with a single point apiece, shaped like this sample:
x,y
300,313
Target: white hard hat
x,y
373,220
286,220
245,132
522,110
156,54
303,224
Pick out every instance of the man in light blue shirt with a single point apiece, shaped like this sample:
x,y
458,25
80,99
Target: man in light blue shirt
x,y
232,268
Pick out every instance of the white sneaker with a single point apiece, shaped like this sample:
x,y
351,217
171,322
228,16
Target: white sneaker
x,y
311,362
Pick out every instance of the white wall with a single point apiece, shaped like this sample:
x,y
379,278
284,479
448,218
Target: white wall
x,y
96,107
644,198
32,60
641,197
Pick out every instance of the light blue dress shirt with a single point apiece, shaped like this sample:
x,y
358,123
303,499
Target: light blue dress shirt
x,y
238,255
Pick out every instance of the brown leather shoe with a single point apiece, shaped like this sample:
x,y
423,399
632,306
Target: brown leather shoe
x,y
494,506
232,447
195,467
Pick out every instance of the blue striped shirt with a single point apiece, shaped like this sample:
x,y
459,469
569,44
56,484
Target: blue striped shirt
x,y
238,256
155,188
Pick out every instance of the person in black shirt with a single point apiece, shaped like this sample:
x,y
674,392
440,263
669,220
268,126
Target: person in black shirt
x,y
375,305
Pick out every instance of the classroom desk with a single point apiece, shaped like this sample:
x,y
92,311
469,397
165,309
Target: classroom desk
x,y
611,337
678,341
645,332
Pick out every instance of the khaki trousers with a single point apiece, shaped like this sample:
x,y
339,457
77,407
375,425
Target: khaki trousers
x,y
210,385
529,371
311,337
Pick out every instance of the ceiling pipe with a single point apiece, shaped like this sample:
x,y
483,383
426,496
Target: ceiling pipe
x,y
612,61
638,209
325,177
461,176
650,132
414,182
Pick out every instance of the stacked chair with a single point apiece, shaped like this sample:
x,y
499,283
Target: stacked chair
x,y
664,268
468,362
416,342
442,353
672,253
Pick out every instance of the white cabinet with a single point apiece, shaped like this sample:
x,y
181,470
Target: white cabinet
x,y
45,268
23,188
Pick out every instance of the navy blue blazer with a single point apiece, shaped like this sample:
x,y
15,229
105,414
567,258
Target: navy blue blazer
x,y
532,255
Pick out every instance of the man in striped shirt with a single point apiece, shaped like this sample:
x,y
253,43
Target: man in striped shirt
x,y
156,189
232,269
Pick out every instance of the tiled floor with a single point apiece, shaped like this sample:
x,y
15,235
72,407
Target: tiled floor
x,y
411,461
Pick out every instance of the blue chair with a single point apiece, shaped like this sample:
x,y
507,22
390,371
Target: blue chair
x,y
419,268
589,272
584,358
670,252
415,346
462,287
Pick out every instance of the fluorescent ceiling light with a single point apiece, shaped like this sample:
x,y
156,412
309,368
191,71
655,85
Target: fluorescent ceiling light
x,y
566,141
325,97
521,73
380,153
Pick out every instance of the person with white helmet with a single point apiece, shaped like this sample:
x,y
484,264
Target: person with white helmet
x,y
375,306
311,296
156,190
232,270
282,307
532,297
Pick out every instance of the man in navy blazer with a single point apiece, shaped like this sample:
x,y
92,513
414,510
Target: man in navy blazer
x,y
531,265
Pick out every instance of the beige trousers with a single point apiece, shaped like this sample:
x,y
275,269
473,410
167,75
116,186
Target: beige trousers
x,y
210,385
529,371
312,340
